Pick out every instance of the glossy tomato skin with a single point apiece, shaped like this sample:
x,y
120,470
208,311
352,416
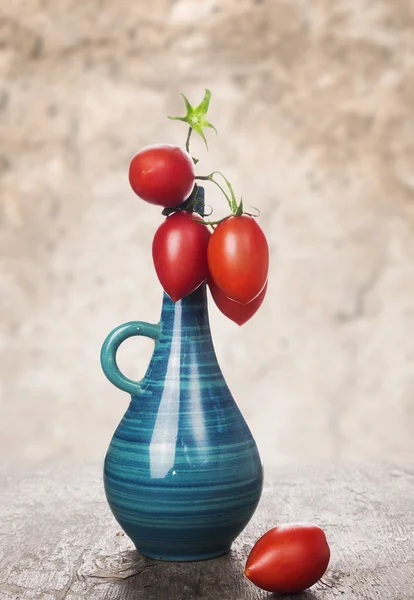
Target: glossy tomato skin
x,y
289,558
162,175
239,313
179,251
238,258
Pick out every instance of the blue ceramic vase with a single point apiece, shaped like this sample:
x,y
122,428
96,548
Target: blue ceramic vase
x,y
183,474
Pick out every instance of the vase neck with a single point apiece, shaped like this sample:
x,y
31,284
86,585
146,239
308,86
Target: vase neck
x,y
188,314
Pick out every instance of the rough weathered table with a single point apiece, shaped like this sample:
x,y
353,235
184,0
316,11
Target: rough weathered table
x,y
59,541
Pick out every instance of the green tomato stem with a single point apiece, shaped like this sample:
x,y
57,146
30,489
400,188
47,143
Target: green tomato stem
x,y
213,223
187,141
211,178
222,189
236,209
233,202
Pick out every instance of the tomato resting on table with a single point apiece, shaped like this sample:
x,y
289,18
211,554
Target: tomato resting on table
x,y
289,558
239,313
238,258
162,175
179,250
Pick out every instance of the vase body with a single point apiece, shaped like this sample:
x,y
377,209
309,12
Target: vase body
x,y
182,474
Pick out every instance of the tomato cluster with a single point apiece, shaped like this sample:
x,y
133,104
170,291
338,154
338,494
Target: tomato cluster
x,y
233,259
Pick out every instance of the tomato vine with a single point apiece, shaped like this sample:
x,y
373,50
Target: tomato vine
x,y
196,119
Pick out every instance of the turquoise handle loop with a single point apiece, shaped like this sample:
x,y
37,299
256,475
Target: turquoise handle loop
x,y
111,345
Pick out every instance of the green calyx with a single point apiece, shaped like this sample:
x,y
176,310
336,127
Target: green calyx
x,y
196,116
239,210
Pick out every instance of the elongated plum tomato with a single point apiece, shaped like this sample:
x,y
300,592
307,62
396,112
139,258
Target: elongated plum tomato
x,y
239,313
289,558
238,258
179,250
162,175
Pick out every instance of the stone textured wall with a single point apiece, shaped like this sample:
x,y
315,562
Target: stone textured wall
x,y
314,106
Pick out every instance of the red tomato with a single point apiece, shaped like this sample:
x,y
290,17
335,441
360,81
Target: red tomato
x,y
238,258
289,559
162,175
239,313
179,251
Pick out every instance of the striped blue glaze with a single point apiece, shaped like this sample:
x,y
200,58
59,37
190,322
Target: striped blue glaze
x,y
183,474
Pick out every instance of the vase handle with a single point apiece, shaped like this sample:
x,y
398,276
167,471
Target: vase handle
x,y
111,345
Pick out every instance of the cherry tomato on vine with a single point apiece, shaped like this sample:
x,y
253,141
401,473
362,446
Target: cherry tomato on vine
x,y
162,175
179,250
289,558
238,258
239,313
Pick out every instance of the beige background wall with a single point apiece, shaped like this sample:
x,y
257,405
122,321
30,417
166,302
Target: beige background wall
x,y
314,106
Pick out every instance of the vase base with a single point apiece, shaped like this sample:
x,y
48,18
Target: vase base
x,y
184,558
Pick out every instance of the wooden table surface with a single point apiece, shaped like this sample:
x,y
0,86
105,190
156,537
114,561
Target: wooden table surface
x,y
59,540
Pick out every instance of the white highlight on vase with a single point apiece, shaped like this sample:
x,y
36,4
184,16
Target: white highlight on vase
x,y
197,418
164,436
